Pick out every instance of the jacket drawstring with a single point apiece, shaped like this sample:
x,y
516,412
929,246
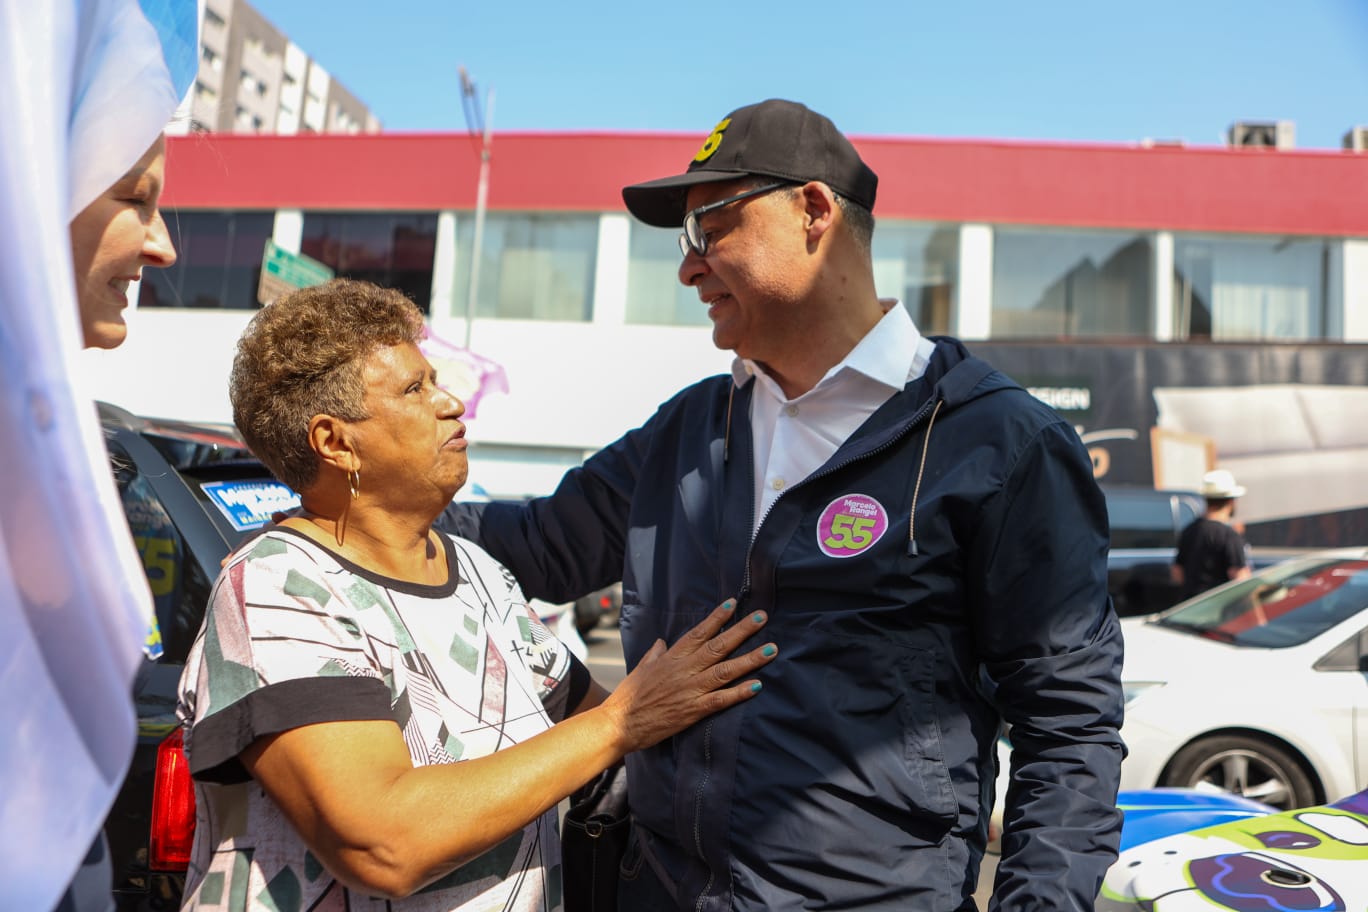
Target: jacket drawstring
x,y
726,436
912,517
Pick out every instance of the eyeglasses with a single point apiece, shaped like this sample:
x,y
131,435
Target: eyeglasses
x,y
693,238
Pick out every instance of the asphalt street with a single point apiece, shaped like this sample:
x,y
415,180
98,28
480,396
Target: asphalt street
x,y
605,661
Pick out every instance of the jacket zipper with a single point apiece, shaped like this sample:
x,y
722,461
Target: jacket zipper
x,y
911,425
745,590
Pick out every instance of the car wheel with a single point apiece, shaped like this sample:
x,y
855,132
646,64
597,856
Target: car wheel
x,y
1245,766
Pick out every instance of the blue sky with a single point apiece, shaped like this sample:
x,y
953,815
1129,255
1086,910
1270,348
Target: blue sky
x,y
1066,70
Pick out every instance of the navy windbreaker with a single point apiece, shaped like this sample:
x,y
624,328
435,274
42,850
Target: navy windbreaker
x,y
944,571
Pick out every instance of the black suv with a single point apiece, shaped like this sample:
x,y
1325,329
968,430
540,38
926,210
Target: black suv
x,y
190,493
1145,525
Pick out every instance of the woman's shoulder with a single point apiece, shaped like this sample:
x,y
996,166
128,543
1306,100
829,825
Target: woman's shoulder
x,y
478,566
275,559
276,545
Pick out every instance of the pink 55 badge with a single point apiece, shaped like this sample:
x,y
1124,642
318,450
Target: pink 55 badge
x,y
850,525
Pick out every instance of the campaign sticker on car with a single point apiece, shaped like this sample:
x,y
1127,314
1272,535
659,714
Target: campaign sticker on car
x,y
250,504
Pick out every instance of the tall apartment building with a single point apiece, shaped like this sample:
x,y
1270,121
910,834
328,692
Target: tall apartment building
x,y
253,79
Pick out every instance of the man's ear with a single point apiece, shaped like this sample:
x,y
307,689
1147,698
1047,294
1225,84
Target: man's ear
x,y
819,208
331,439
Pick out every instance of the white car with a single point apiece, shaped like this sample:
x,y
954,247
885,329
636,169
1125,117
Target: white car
x,y
1258,687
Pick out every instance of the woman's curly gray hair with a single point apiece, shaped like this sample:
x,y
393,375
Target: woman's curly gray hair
x,y
301,356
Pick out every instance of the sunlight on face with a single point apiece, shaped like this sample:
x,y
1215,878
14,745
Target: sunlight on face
x,y
112,240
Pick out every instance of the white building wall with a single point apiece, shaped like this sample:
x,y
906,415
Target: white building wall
x,y
444,292
1355,290
288,230
571,385
175,363
295,72
974,284
208,92
610,270
1161,282
315,115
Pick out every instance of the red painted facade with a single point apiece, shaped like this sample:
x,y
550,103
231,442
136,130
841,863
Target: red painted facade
x,y
1209,189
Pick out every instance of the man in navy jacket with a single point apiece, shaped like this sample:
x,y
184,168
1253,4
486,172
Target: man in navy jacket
x,y
926,538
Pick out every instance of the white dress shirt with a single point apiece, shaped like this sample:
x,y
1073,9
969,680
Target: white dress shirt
x,y
793,437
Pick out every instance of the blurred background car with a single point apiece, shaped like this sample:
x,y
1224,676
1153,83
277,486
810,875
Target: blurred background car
x,y
1145,524
1257,688
1151,814
1184,849
601,607
190,493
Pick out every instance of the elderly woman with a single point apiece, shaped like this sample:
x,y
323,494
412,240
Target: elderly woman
x,y
372,709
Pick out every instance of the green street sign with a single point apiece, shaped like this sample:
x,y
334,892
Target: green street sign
x,y
283,271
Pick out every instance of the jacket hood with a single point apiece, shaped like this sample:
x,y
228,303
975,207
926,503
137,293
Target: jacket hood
x,y
959,377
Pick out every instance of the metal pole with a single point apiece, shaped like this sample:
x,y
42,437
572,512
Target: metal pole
x,y
480,196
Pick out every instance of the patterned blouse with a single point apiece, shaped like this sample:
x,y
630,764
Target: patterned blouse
x,y
296,635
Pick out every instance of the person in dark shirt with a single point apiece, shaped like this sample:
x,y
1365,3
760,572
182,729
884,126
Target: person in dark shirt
x,y
1211,551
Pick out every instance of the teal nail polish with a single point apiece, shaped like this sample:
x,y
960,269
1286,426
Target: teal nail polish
x,y
755,688
768,651
729,605
758,618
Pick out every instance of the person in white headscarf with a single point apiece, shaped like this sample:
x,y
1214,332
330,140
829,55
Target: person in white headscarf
x,y
112,240
86,87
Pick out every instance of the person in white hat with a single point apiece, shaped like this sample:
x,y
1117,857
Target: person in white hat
x,y
1211,550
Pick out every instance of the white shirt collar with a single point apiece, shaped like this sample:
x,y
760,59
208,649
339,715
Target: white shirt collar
x,y
891,354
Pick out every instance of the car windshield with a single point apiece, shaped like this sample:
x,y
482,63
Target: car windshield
x,y
1285,605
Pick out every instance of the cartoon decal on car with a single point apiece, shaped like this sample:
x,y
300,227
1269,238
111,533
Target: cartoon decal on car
x,y
1307,859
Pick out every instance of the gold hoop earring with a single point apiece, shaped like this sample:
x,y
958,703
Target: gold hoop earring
x,y
354,480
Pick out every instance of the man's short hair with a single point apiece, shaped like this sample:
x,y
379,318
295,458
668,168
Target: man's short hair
x,y
859,220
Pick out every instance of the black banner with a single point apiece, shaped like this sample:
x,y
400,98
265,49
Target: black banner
x,y
1289,420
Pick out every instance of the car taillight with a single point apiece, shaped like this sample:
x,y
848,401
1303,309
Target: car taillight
x,y
173,808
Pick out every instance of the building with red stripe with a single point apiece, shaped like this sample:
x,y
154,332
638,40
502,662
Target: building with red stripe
x,y
986,240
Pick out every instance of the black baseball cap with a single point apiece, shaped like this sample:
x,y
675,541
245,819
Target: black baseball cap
x,y
774,138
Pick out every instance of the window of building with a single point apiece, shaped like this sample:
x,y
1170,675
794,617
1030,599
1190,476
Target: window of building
x,y
212,58
392,249
1071,283
917,264
250,84
654,293
1249,288
218,260
213,18
533,265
